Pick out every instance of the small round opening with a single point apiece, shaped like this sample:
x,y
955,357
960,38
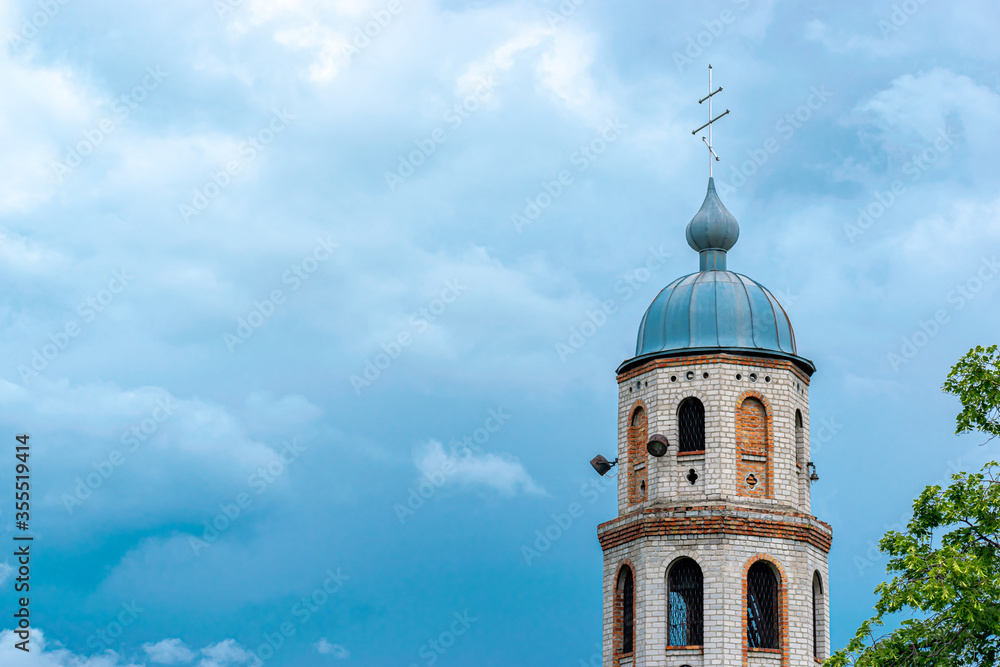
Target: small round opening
x,y
753,377
673,378
739,376
767,378
705,375
689,375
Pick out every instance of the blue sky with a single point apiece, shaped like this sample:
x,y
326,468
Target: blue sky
x,y
266,263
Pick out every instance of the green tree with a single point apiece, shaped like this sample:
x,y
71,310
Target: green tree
x,y
946,565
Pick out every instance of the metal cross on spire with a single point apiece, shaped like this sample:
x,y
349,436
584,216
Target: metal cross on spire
x,y
708,142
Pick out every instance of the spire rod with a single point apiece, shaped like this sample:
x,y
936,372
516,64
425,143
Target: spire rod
x,y
708,141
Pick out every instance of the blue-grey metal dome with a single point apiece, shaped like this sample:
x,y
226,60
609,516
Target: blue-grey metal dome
x,y
715,310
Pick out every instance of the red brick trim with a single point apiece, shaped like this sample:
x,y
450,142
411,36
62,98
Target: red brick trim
x,y
782,610
635,451
617,615
759,362
639,403
741,468
721,521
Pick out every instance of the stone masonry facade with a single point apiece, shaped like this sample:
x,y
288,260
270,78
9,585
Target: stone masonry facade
x,y
744,499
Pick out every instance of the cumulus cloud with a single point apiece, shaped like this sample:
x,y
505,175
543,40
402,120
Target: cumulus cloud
x,y
52,108
41,655
564,69
161,342
169,652
562,56
331,32
925,102
225,654
328,45
333,650
146,444
502,58
500,472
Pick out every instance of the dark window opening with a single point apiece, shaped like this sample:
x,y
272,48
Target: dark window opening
x,y
691,426
762,607
817,615
686,587
800,440
628,611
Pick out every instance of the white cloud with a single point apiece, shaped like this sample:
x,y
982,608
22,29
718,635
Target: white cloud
x,y
564,69
41,105
225,653
24,254
335,650
329,47
165,444
41,656
169,652
968,229
501,472
562,57
925,102
501,59
330,31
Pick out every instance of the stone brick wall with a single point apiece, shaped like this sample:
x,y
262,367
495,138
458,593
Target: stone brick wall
x,y
712,516
724,560
661,385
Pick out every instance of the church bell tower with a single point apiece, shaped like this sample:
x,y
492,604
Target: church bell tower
x,y
714,557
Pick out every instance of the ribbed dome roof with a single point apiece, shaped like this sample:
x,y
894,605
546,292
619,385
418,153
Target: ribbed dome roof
x,y
715,310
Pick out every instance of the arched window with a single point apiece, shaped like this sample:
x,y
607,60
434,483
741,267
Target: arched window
x,y
754,463
691,426
800,441
800,459
624,627
817,617
762,606
685,586
637,475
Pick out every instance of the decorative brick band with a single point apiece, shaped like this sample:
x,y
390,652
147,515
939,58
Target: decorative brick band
x,y
720,521
694,360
